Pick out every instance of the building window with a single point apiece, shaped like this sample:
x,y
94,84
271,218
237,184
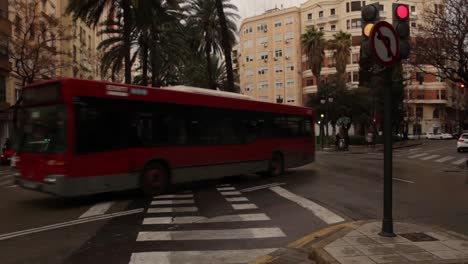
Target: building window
x,y
2,89
262,41
320,13
381,7
348,24
321,28
277,24
289,35
309,16
248,43
332,12
263,85
263,56
248,87
419,112
355,6
278,53
291,98
309,82
420,77
290,67
436,113
420,94
289,51
4,40
290,83
443,95
355,76
279,99
279,84
17,93
278,37
355,58
262,71
279,68
262,27
333,27
356,23
248,30
413,25
248,58
413,9
288,21
248,72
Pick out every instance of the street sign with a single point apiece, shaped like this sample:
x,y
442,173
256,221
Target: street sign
x,y
384,44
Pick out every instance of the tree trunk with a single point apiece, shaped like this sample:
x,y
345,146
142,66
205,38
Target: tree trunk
x,y
154,67
127,40
208,66
144,58
226,47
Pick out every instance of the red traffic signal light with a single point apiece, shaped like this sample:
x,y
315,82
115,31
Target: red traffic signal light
x,y
374,120
402,12
462,86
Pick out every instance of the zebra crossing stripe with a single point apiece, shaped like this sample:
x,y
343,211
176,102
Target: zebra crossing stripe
x,y
244,206
202,220
172,210
243,233
444,159
430,157
170,196
165,202
226,189
458,162
200,257
237,199
418,155
231,193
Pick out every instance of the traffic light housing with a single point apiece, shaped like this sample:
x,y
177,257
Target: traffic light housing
x,y
370,14
401,23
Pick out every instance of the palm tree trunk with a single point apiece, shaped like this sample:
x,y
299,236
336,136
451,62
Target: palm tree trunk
x,y
144,58
226,46
208,65
127,40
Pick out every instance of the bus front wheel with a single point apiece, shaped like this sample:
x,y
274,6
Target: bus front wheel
x,y
275,167
154,179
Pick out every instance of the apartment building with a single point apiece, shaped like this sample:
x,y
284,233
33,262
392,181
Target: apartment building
x,y
269,56
5,67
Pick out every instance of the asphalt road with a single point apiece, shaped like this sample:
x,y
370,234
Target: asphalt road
x,y
231,220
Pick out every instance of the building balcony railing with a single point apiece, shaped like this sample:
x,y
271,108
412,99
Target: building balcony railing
x,y
310,89
426,101
333,18
321,20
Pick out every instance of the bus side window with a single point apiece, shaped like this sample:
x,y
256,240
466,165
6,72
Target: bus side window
x,y
252,130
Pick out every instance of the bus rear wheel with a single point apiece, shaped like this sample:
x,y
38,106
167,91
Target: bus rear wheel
x,y
276,166
154,179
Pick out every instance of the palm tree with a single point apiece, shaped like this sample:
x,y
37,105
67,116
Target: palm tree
x,y
341,44
313,44
226,43
92,11
204,17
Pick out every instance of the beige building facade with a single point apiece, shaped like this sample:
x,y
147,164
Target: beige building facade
x,y
269,56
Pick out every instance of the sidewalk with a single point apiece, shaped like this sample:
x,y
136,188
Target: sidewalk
x,y
376,148
359,243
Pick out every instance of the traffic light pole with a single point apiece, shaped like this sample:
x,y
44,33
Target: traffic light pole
x,y
387,223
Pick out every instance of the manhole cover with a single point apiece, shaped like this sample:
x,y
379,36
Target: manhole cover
x,y
418,237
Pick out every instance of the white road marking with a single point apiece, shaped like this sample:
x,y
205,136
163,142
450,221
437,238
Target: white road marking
x,y
430,157
415,149
172,210
401,180
6,181
231,193
200,257
458,162
13,186
223,185
226,189
7,176
418,155
237,199
321,212
170,196
266,186
70,223
97,209
444,159
243,233
244,206
160,202
201,219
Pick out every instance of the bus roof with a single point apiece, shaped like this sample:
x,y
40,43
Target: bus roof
x,y
172,94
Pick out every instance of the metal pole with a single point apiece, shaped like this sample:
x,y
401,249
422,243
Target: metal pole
x,y
387,223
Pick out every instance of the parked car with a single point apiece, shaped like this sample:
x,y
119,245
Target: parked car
x,y
413,137
462,143
446,136
429,135
5,159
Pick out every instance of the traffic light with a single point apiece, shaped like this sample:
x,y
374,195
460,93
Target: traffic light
x,y
322,115
374,120
370,14
462,86
402,27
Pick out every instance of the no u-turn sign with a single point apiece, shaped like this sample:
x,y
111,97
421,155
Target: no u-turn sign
x,y
384,44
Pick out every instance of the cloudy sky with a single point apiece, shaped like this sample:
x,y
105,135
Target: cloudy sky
x,y
248,8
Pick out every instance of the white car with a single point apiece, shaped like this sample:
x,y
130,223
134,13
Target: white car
x,y
413,137
462,143
430,135
446,136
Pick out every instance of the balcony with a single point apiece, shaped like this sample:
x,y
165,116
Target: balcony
x,y
426,101
413,15
309,89
321,20
309,22
333,18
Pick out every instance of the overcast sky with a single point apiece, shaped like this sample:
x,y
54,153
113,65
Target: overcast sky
x,y
248,8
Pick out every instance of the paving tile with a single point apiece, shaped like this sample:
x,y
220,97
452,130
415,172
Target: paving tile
x,y
370,228
355,260
442,236
421,256
353,233
370,250
359,240
450,254
338,243
456,244
389,240
388,258
344,251
432,246
405,248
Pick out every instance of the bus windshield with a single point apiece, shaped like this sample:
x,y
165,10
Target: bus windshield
x,y
42,129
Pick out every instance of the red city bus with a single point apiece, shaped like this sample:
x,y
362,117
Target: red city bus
x,y
80,137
